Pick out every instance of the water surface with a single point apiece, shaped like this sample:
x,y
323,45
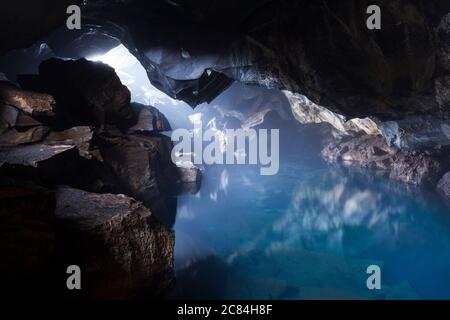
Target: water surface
x,y
310,232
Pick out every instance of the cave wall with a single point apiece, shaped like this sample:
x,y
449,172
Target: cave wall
x,y
323,49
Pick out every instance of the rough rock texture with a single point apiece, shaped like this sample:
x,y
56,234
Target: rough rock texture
x,y
444,185
85,142
81,137
13,137
415,168
27,240
33,103
370,151
416,133
125,250
190,176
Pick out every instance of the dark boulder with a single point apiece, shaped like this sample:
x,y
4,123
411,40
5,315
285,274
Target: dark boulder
x,y
415,168
27,240
121,249
87,93
149,119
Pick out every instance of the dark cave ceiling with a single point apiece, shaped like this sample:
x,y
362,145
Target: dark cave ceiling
x,y
192,50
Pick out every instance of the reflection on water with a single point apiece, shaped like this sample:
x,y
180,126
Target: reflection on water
x,y
309,232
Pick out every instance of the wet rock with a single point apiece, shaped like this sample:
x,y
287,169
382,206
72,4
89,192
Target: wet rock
x,y
370,151
444,185
190,177
32,103
189,173
307,112
122,250
415,168
415,133
12,137
27,240
88,93
149,119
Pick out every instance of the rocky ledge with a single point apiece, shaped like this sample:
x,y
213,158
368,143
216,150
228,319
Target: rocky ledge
x,y
86,179
413,150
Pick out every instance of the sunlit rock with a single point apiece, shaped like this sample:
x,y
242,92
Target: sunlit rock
x,y
32,103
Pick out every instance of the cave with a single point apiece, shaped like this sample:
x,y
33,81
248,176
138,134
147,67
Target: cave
x,y
355,120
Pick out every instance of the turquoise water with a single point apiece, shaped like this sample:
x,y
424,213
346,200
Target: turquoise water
x,y
310,232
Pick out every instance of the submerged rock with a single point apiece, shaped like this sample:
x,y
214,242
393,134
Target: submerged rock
x,y
122,249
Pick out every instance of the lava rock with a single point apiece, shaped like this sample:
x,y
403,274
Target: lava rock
x,y
369,151
189,173
32,155
143,169
417,133
305,111
12,137
32,103
88,93
149,119
121,249
81,137
415,168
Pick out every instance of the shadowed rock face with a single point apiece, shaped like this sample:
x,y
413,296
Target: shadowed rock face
x,y
86,150
120,245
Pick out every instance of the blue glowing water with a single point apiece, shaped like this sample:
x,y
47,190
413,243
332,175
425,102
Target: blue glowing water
x,y
310,232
